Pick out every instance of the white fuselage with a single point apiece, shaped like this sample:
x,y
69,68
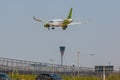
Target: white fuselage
x,y
58,22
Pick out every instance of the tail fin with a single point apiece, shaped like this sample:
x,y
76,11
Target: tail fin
x,y
70,14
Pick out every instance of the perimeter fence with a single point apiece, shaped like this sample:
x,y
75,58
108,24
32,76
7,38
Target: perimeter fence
x,y
8,65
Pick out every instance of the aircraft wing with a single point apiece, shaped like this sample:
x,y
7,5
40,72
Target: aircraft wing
x,y
38,20
81,22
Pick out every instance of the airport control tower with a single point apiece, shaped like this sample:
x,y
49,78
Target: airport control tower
x,y
62,49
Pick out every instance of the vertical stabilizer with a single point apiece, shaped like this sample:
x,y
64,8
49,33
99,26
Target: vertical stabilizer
x,y
70,14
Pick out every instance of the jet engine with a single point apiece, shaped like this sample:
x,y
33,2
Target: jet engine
x,y
46,25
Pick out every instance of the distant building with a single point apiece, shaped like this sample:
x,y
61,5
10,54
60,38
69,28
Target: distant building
x,y
102,68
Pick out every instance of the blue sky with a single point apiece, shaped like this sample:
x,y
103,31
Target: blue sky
x,y
23,38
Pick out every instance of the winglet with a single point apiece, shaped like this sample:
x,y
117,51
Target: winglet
x,y
70,14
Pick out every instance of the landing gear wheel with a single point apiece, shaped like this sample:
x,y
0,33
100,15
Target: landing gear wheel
x,y
48,28
64,28
53,28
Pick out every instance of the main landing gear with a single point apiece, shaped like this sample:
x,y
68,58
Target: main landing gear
x,y
64,28
51,28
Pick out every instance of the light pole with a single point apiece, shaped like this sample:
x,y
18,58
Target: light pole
x,y
92,55
52,62
103,72
78,62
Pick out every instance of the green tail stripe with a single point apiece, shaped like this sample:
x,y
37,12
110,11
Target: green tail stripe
x,y
70,14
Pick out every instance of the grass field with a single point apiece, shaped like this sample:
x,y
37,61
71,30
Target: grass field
x,y
22,76
32,77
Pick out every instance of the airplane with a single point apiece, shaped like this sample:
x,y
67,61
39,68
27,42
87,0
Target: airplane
x,y
63,23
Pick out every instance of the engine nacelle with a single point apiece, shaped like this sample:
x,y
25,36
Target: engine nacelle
x,y
46,25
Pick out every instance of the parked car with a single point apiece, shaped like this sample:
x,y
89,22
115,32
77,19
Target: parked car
x,y
49,76
4,76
